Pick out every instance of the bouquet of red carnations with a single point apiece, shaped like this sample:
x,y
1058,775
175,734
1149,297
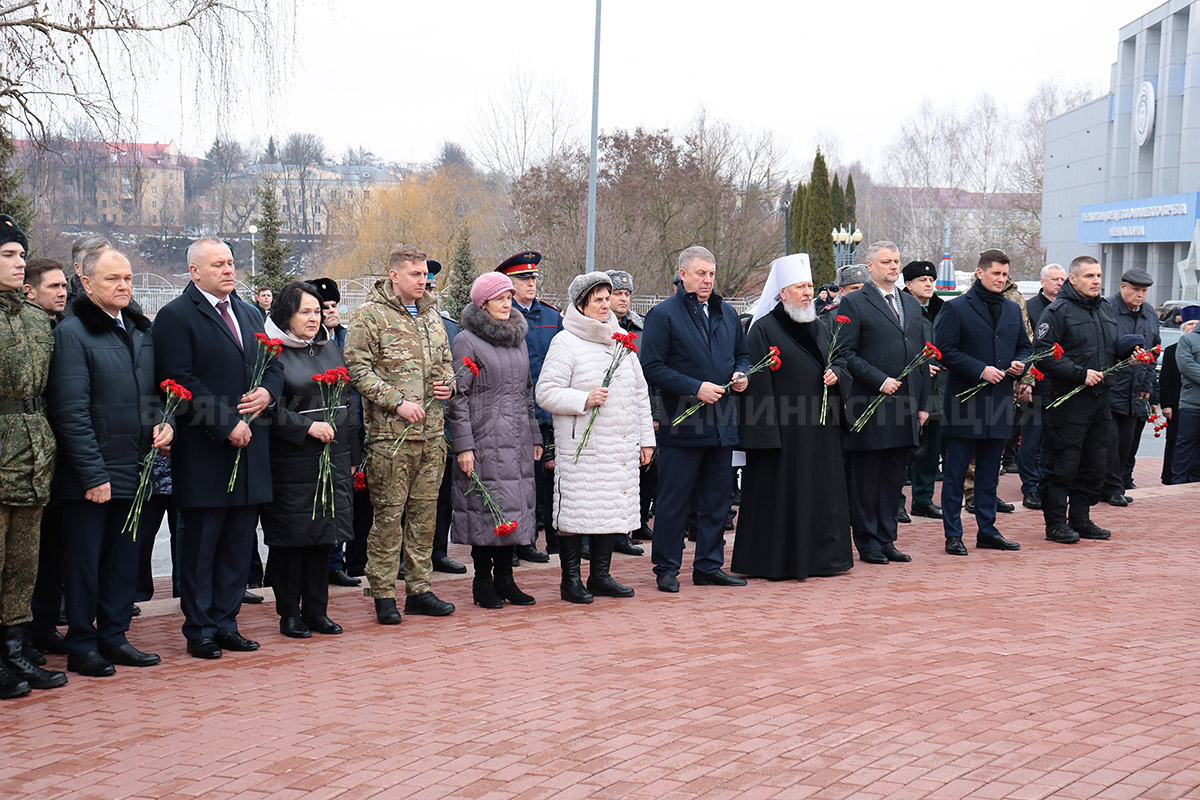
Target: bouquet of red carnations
x,y
1139,356
176,394
619,353
504,526
468,366
769,361
268,348
332,382
929,353
1056,352
839,321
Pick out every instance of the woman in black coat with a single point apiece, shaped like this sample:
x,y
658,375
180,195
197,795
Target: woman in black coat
x,y
299,535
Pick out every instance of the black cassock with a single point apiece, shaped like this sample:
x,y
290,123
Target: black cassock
x,y
794,521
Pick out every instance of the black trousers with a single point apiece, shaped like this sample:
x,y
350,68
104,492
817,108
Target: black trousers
x,y
685,470
48,588
356,548
214,564
647,487
441,528
299,576
876,482
1076,438
156,507
101,566
1123,435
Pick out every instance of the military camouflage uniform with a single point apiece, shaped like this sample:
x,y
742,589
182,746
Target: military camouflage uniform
x,y
394,356
26,450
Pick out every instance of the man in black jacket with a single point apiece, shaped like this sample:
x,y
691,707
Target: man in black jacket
x,y
1076,431
205,340
103,369
1031,456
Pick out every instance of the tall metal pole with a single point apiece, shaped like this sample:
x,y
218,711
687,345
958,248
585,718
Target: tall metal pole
x,y
591,213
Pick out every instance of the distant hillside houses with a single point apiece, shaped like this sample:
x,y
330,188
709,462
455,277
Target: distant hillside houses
x,y
308,194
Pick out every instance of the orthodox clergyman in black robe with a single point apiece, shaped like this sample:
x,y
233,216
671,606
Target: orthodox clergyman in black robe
x,y
794,520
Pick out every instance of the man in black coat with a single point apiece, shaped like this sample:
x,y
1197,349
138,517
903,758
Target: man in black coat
x,y
101,397
204,339
982,338
693,344
884,335
1031,456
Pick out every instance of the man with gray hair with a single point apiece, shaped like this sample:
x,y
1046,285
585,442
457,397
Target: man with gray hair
x,y
694,345
79,248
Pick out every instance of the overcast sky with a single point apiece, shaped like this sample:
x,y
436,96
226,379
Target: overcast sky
x,y
400,77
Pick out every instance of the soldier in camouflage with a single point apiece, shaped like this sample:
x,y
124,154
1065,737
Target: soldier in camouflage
x,y
398,355
26,460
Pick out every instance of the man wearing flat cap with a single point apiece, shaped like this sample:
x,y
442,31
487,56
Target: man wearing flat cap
x,y
1131,388
543,321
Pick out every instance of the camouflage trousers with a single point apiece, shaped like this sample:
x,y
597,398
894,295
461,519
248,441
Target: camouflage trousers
x,y
20,531
404,488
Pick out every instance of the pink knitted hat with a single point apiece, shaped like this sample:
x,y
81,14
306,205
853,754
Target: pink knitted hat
x,y
489,286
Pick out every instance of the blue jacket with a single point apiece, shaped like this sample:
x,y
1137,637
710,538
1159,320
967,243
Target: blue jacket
x,y
970,341
544,322
680,350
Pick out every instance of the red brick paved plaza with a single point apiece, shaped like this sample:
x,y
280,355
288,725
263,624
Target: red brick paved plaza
x,y
1059,671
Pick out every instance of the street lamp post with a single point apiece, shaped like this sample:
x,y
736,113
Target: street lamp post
x,y
253,229
845,243
785,209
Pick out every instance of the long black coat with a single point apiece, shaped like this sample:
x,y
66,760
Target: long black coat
x,y
288,520
102,398
192,345
877,348
970,341
1127,385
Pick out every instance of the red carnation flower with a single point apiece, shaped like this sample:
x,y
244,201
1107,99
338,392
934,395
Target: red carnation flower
x,y
1057,351
262,337
360,481
1037,374
471,365
932,352
840,320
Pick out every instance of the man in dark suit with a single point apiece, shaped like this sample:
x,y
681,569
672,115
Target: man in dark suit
x,y
204,339
885,334
982,337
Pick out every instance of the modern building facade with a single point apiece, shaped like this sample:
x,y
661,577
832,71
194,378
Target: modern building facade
x,y
1122,173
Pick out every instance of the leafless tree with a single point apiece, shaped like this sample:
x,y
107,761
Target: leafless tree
x,y
527,124
302,154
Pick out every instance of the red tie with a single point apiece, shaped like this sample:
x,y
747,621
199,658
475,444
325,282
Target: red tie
x,y
223,307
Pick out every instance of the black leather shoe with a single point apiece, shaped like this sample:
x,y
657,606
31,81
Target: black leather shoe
x,y
294,628
323,625
995,542
338,577
642,534
236,642
250,598
729,524
527,552
668,583
128,656
718,577
386,612
927,510
1118,500
1032,501
204,647
91,664
902,516
137,611
621,544
892,554
427,603
1130,485
449,565
955,546
1061,533
50,641
1003,507
1090,530
969,505
873,557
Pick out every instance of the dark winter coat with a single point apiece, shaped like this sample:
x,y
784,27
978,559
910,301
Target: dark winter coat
x,y
1087,332
102,398
1128,384
288,520
937,384
681,349
492,415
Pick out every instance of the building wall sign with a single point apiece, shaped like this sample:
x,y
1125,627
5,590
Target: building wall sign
x,y
1170,218
1143,114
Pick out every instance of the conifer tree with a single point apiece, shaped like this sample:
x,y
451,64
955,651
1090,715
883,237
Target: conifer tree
x,y
270,251
796,221
457,293
837,202
818,224
851,202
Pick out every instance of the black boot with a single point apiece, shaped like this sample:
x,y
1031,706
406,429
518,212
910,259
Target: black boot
x,y
22,667
386,612
506,587
599,582
483,589
572,589
11,685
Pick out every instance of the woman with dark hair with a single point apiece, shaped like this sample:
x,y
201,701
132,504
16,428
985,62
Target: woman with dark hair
x,y
496,437
299,538
598,494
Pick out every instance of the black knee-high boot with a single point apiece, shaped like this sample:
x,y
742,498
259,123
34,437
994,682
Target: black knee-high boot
x,y
599,582
506,587
572,589
483,588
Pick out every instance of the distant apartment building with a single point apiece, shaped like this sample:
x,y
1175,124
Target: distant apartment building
x,y
308,195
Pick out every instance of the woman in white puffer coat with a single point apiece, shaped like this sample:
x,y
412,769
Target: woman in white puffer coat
x,y
599,494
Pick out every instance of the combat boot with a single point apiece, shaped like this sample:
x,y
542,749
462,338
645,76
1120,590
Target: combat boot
x,y
506,587
22,667
483,588
1090,530
11,685
599,582
386,612
1061,533
571,589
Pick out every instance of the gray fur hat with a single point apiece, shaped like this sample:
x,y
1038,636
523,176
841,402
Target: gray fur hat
x,y
620,280
852,274
582,284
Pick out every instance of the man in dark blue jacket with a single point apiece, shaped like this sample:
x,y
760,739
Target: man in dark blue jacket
x,y
693,345
981,335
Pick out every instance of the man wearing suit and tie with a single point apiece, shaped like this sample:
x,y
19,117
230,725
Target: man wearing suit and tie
x,y
885,333
982,338
204,339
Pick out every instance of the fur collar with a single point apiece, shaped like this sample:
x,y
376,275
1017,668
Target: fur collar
x,y
500,332
98,321
588,329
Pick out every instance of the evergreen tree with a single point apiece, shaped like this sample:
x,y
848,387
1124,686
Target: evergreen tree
x,y
271,154
462,274
818,224
851,202
270,252
796,221
13,199
837,202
